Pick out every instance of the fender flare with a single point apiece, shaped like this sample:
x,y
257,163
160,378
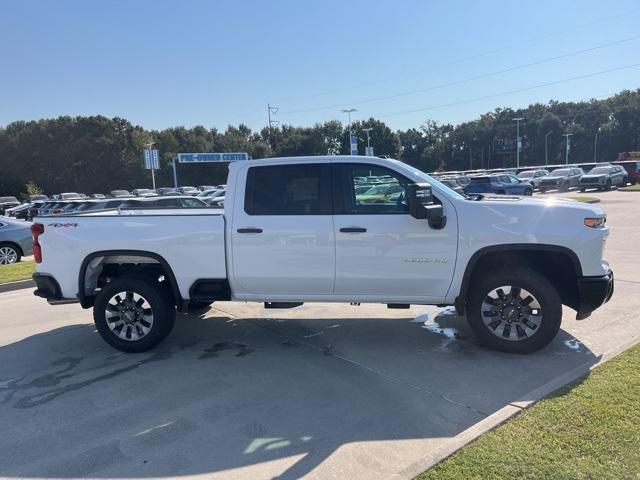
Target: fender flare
x,y
87,301
461,300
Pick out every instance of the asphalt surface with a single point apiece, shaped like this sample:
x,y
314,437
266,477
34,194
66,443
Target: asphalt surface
x,y
322,391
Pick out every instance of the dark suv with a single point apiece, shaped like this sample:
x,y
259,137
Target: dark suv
x,y
562,179
502,184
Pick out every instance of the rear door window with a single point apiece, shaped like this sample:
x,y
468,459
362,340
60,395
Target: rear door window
x,y
298,189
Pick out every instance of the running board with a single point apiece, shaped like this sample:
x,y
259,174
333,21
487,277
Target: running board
x,y
399,306
282,305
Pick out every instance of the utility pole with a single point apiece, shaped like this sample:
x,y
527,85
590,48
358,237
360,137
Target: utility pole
x,y
271,110
349,111
567,147
368,131
595,147
546,151
518,143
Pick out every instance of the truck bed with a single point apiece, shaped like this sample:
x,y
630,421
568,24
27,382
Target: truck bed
x,y
191,241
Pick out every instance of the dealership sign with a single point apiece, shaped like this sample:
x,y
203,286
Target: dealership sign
x,y
211,157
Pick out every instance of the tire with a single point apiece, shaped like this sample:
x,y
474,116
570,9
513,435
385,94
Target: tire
x,y
542,190
583,190
539,330
608,185
625,180
9,254
199,305
115,324
528,192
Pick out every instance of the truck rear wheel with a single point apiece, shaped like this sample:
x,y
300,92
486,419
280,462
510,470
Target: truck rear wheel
x,y
515,310
133,314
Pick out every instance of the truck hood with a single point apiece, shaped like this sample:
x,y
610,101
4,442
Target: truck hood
x,y
553,204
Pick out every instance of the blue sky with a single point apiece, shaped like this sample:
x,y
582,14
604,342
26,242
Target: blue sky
x,y
165,63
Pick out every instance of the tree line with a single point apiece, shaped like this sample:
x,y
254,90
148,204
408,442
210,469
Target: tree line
x,y
96,154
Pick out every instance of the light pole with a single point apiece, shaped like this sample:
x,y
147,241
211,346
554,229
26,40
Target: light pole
x,y
546,151
367,131
349,111
467,146
566,148
517,120
595,146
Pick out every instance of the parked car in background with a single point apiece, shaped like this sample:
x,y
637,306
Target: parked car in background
x,y
604,177
188,191
204,188
120,193
70,196
209,195
561,179
633,169
38,198
98,196
452,183
163,202
144,192
15,240
379,193
501,184
166,191
19,212
8,202
533,176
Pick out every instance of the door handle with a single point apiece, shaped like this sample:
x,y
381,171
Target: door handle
x,y
353,230
249,230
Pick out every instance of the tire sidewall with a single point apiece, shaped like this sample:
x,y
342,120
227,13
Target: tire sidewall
x,y
163,313
531,281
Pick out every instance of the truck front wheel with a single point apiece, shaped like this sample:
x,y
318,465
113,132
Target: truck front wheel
x,y
133,313
515,310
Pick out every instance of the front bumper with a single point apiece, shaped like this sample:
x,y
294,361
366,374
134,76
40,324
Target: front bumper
x,y
593,292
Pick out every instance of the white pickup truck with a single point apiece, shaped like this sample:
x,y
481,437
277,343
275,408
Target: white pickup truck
x,y
332,229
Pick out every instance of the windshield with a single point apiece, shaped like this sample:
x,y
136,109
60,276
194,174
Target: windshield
x,y
599,171
525,175
559,173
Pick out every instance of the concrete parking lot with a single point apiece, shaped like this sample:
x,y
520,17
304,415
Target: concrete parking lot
x,y
322,391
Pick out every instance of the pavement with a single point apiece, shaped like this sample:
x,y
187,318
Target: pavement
x,y
321,391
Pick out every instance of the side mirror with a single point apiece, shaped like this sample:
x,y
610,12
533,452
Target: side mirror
x,y
422,206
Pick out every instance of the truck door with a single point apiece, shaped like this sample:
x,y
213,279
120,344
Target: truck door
x,y
381,250
282,236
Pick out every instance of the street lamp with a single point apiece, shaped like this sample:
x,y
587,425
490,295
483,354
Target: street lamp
x,y
595,147
467,146
349,111
546,151
517,120
367,131
566,148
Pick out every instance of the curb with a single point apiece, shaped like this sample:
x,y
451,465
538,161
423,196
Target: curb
x,y
505,413
19,285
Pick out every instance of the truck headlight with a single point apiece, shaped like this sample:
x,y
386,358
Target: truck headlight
x,y
595,222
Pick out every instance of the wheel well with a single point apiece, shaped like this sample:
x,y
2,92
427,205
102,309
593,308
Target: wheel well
x,y
102,267
559,265
14,245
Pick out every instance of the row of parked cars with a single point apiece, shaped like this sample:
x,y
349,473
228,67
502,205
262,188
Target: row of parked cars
x,y
600,176
140,198
15,222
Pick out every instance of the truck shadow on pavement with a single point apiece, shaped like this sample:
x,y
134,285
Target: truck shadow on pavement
x,y
257,397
